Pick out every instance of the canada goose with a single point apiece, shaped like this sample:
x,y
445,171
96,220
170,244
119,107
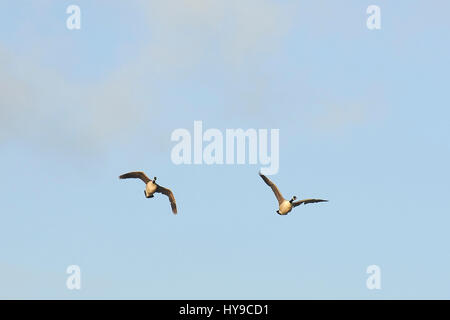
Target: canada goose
x,y
151,187
286,206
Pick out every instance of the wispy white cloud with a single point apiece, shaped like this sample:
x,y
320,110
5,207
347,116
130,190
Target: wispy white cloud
x,y
40,105
186,31
237,38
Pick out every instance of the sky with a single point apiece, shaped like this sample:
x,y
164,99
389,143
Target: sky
x,y
363,118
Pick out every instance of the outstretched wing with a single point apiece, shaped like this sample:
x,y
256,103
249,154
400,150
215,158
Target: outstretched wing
x,y
168,193
274,188
136,175
306,201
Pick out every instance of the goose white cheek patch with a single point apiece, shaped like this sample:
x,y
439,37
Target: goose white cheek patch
x,y
239,147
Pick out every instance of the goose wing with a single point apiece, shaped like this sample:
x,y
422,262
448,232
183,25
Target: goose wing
x,y
306,201
168,193
136,175
273,187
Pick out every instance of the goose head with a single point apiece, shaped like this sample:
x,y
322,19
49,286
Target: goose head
x,y
293,199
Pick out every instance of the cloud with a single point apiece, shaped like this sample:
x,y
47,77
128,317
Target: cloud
x,y
16,96
337,117
227,43
234,31
40,105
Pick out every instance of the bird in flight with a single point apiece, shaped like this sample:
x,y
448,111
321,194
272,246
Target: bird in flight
x,y
286,206
151,187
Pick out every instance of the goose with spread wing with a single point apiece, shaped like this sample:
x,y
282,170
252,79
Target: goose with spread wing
x,y
151,187
285,206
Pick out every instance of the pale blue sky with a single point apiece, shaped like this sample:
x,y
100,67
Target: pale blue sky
x,y
363,118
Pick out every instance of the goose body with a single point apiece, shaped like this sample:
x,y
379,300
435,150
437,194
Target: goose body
x,y
285,206
151,187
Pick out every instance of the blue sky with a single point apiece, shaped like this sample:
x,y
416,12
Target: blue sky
x,y
363,118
